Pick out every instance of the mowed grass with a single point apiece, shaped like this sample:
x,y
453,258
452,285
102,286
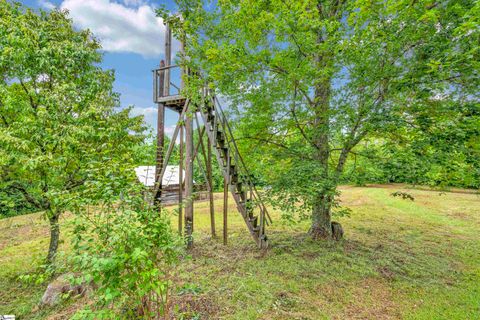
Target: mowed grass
x,y
399,260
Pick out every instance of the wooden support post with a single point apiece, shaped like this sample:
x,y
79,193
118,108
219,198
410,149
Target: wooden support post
x,y
226,181
160,138
189,179
197,147
225,210
210,189
209,185
160,91
168,59
182,56
180,183
208,176
171,146
188,156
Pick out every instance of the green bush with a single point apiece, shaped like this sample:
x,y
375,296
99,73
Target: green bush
x,y
129,255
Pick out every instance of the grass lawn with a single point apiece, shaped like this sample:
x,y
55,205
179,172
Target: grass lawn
x,y
399,260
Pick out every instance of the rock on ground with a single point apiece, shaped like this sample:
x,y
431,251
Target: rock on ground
x,y
61,285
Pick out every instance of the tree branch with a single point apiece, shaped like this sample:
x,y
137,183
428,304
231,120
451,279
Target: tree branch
x,y
282,146
297,124
32,103
45,205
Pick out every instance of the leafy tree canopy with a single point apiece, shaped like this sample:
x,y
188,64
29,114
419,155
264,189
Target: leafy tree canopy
x,y
310,80
60,131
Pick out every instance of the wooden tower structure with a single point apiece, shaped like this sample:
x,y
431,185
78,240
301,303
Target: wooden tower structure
x,y
211,121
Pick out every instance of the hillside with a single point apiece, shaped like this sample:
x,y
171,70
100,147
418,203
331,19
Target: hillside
x,y
399,259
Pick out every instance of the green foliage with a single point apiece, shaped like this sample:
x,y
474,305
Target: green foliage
x,y
403,195
145,152
59,122
122,245
130,255
422,159
41,275
307,82
189,288
13,203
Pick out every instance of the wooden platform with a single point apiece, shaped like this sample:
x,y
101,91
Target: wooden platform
x,y
175,102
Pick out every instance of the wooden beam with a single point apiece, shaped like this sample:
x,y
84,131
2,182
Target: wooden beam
x,y
159,155
168,59
189,180
161,80
160,144
182,56
210,191
225,210
180,184
159,178
200,135
199,162
208,163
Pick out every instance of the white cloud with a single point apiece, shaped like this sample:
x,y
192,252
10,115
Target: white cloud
x,y
46,4
169,131
119,27
150,117
149,114
144,111
136,3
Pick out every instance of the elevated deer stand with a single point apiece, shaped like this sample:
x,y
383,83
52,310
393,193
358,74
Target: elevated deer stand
x,y
219,139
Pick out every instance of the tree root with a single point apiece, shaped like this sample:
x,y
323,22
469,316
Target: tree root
x,y
335,233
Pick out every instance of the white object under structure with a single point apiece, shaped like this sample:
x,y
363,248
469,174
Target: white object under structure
x,y
146,176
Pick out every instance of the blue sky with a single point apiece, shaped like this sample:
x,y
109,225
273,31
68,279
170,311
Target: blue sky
x,y
132,38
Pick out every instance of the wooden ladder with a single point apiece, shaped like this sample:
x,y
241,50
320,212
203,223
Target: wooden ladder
x,y
247,198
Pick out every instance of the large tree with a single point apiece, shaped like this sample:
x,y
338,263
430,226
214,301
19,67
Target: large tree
x,y
59,127
311,79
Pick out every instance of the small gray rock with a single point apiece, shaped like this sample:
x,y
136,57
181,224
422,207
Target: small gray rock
x,y
61,285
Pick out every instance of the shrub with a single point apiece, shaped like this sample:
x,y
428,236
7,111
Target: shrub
x,y
129,255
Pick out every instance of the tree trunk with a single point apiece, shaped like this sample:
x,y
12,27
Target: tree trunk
x,y
321,218
54,236
321,210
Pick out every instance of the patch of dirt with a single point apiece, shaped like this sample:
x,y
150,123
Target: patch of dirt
x,y
67,312
358,202
190,306
233,254
373,299
308,255
15,230
384,185
421,188
386,273
216,250
461,215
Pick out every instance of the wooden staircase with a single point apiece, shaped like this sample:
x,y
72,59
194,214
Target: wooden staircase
x,y
247,198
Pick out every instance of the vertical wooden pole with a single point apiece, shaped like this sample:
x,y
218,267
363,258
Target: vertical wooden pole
x,y
168,59
160,91
207,156
182,53
210,189
160,136
188,160
225,204
189,179
180,183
